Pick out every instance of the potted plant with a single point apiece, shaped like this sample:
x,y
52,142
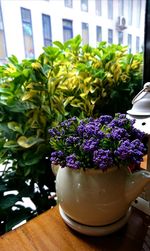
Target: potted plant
x,y
65,80
94,183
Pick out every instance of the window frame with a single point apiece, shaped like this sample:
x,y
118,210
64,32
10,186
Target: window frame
x,y
83,23
26,22
97,35
110,9
67,28
44,37
110,31
87,5
120,32
70,5
3,34
98,7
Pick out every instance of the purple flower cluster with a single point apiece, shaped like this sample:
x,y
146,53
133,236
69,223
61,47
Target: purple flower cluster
x,y
96,143
72,162
102,158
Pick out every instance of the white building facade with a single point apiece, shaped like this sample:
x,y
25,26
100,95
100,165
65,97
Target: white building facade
x,y
26,26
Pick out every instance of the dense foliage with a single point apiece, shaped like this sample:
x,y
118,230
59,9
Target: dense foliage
x,y
66,80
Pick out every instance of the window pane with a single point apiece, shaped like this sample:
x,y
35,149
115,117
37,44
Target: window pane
x,y
26,15
110,9
98,33
130,11
84,5
85,33
2,45
68,3
120,37
129,43
110,36
3,53
121,7
98,5
27,33
67,29
138,14
137,44
46,21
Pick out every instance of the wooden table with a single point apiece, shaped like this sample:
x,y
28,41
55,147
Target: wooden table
x,y
48,232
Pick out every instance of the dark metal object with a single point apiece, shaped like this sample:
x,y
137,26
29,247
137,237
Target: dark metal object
x,y
146,70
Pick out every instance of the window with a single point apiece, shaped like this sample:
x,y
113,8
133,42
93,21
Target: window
x,y
84,5
98,7
129,43
98,33
27,32
120,37
110,36
67,29
130,11
3,52
121,7
47,35
85,33
68,3
137,44
110,9
138,13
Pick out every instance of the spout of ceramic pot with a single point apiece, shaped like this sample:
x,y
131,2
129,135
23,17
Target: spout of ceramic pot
x,y
136,183
55,169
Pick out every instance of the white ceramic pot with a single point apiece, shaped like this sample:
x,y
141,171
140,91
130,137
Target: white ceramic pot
x,y
97,198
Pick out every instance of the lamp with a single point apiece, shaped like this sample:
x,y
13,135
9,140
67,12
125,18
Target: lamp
x,y
141,113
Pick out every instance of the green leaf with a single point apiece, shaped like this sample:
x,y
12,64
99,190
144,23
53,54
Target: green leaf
x,y
15,126
8,201
58,44
17,216
11,144
28,142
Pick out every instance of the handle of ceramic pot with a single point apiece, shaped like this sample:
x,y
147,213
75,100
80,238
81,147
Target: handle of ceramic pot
x,y
142,93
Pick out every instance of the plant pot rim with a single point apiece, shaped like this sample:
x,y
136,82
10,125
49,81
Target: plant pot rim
x,y
95,170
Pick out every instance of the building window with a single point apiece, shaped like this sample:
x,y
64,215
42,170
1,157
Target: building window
x,y
129,43
27,32
68,3
98,7
110,9
47,34
120,37
85,33
110,36
137,44
84,5
98,33
3,52
67,29
130,11
138,13
121,7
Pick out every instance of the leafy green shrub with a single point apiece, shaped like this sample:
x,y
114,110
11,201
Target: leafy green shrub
x,y
66,80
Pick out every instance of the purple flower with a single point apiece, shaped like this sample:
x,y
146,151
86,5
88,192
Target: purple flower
x,y
96,143
90,145
130,150
53,132
118,134
102,158
105,119
72,162
72,140
56,157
